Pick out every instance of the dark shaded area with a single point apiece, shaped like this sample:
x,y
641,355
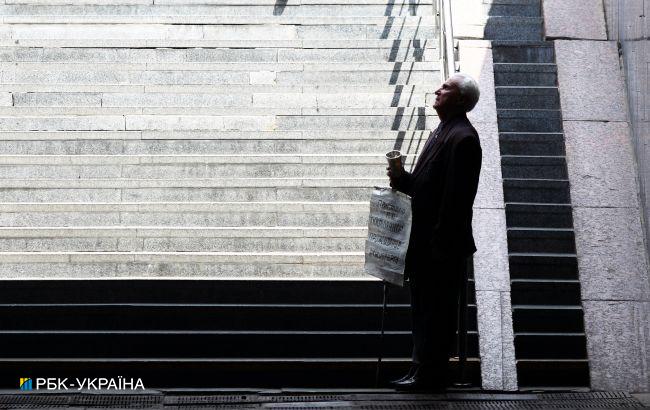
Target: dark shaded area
x,y
210,333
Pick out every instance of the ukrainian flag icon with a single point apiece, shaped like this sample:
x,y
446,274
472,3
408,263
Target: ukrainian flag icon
x,y
25,383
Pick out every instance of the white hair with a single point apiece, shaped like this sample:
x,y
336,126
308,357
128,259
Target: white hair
x,y
468,90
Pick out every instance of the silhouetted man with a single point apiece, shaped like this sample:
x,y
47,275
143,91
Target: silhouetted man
x,y
442,186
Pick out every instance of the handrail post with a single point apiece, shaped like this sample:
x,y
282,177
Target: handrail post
x,y
447,38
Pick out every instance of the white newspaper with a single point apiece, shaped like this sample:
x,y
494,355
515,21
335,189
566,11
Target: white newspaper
x,y
389,229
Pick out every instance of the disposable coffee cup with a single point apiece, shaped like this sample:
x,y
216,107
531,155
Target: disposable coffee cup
x,y
395,162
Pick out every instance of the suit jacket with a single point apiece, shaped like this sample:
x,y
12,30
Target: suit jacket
x,y
442,187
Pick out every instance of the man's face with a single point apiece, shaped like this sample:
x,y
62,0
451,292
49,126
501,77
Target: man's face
x,y
447,96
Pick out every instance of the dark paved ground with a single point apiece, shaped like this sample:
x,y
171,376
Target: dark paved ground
x,y
308,399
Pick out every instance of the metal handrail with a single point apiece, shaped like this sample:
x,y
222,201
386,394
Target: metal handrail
x,y
446,38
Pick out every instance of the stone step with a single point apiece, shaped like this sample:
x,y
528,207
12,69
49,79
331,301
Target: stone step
x,y
541,121
539,267
216,66
226,183
84,88
419,43
186,214
564,374
547,319
347,89
514,143
521,8
213,145
179,190
183,239
540,98
215,122
479,12
195,135
248,346
525,75
551,346
216,10
196,160
237,317
220,101
264,55
534,167
539,216
204,294
536,191
392,3
383,21
268,34
538,53
194,77
541,240
239,265
520,28
201,167
50,2
553,293
417,113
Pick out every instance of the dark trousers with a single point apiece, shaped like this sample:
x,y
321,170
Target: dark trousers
x,y
434,312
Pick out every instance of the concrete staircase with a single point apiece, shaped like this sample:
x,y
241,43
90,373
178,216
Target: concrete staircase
x,y
549,335
207,143
209,138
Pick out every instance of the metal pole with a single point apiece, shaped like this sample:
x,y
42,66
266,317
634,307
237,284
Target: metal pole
x,y
462,326
445,22
441,41
449,37
381,334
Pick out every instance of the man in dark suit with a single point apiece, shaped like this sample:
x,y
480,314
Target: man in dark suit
x,y
442,186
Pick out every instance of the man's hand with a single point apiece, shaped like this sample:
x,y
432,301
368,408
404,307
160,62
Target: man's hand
x,y
393,178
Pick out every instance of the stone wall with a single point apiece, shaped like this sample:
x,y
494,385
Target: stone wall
x,y
492,279
607,211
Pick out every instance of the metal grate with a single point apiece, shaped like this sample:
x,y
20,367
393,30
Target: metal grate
x,y
596,400
133,401
211,399
34,401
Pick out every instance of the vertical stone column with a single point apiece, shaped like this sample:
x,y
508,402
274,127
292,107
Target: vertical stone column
x,y
610,246
492,278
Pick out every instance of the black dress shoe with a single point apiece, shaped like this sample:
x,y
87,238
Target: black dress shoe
x,y
423,381
415,384
412,371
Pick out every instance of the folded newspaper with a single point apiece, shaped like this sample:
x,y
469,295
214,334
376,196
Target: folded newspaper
x,y
389,229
